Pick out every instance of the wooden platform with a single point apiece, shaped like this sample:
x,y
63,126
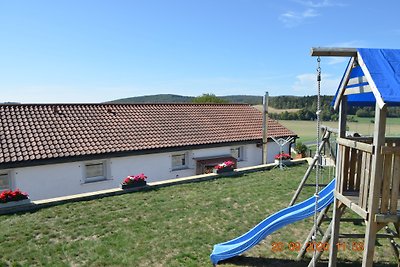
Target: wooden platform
x,y
351,199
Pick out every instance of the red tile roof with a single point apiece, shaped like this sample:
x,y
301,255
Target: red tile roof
x,y
49,131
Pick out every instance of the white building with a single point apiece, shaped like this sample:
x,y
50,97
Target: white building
x,y
51,150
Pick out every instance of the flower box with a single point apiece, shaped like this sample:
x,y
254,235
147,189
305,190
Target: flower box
x,y
284,161
223,170
135,181
15,203
224,167
135,184
9,198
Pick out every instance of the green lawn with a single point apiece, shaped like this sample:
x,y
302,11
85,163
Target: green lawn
x,y
171,226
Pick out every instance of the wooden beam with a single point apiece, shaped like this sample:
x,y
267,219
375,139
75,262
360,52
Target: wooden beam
x,y
371,82
356,145
390,150
320,219
325,240
310,168
338,209
375,184
357,80
333,52
395,184
353,206
358,90
342,117
343,84
363,235
387,218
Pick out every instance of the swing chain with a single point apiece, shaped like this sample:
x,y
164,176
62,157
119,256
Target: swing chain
x,y
317,156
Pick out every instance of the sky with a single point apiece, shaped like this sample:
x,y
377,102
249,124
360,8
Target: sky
x,y
94,51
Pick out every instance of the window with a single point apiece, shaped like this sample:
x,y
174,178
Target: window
x,y
95,172
179,161
5,181
238,153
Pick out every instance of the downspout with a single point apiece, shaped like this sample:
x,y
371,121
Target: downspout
x,y
265,129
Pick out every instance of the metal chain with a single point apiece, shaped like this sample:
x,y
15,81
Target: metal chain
x,y
318,158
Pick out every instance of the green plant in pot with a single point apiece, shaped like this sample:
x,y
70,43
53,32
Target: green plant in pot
x,y
301,149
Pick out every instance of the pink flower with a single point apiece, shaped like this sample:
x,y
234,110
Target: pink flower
x,y
226,164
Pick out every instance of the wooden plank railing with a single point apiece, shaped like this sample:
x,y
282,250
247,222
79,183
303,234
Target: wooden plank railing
x,y
390,176
354,174
355,168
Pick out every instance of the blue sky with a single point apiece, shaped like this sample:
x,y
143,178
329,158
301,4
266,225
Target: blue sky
x,y
94,51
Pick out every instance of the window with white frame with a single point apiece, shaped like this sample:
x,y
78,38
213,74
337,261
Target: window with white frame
x,y
5,181
96,171
238,153
179,161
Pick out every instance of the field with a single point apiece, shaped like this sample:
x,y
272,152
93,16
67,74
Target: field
x,y
275,110
307,130
171,226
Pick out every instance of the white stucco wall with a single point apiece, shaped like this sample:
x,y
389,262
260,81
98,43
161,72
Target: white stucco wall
x,y
48,181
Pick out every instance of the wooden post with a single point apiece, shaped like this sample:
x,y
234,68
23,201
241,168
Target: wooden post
x,y
336,205
324,240
375,185
342,118
320,218
333,52
310,168
265,129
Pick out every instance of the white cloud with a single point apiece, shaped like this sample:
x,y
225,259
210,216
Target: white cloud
x,y
306,84
318,4
295,18
292,18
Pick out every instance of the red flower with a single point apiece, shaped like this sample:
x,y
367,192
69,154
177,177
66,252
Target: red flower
x,y
226,164
136,178
9,195
282,156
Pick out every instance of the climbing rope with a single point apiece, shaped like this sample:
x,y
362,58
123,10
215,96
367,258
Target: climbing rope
x,y
318,158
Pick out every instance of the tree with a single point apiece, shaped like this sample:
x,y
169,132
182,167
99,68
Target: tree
x,y
208,98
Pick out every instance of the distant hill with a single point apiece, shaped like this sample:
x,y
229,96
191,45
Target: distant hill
x,y
280,107
162,98
169,98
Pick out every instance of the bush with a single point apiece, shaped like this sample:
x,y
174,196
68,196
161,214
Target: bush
x,y
362,113
301,149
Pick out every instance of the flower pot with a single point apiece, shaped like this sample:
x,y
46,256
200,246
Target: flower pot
x,y
140,183
15,203
224,170
284,161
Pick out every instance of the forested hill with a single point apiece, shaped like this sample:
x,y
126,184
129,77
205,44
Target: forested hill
x,y
281,102
169,98
163,98
278,102
301,107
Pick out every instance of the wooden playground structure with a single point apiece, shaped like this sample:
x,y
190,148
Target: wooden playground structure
x,y
367,173
367,167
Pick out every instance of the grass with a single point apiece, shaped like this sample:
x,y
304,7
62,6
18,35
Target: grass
x,y
276,110
172,226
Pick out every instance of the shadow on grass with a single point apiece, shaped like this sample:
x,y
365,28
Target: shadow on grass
x,y
258,262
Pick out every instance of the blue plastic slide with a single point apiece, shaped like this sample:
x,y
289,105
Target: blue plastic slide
x,y
274,222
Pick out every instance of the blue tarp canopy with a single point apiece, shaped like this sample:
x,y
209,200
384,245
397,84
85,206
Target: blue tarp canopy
x,y
377,77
